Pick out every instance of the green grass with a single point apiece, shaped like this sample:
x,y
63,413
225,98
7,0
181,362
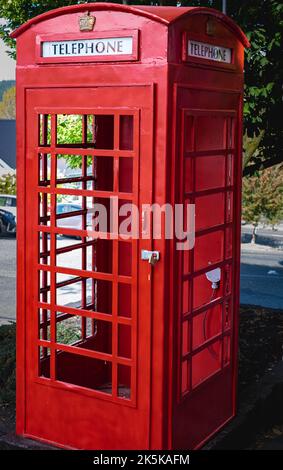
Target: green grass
x,y
66,335
7,364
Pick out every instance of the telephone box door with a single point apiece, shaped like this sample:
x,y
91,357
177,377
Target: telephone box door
x,y
87,294
210,166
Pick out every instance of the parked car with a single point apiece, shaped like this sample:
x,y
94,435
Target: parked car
x,y
7,222
8,202
74,222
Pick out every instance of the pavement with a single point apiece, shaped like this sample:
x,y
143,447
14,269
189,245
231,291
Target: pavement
x,y
7,279
264,235
261,277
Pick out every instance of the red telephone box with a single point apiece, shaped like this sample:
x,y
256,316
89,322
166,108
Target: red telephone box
x,y
115,352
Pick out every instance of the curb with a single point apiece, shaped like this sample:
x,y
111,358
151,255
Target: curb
x,y
265,240
11,441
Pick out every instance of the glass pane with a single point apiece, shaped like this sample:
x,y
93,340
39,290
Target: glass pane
x,y
104,173
69,129
124,341
124,300
125,175
44,202
44,129
44,362
84,371
70,212
44,248
86,333
91,255
44,169
125,258
44,286
126,132
44,324
74,172
124,381
77,292
104,132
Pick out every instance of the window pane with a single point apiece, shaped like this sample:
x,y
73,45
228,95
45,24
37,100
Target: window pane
x,y
124,381
44,362
84,371
126,132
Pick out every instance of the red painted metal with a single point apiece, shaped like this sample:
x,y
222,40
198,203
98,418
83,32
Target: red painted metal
x,y
155,365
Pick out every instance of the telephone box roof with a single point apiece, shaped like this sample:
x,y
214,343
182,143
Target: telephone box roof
x,y
161,14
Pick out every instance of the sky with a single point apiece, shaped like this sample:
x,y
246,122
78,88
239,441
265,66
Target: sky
x,y
7,65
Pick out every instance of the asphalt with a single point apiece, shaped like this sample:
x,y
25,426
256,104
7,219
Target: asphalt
x,y
262,277
7,279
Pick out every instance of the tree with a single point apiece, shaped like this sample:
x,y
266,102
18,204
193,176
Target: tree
x,y
69,131
262,21
263,197
8,184
8,104
4,85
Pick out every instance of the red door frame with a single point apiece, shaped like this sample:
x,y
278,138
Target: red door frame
x,y
145,193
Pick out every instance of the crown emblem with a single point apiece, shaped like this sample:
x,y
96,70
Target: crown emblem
x,y
87,22
210,27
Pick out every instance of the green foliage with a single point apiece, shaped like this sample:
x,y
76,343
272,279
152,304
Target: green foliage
x,y
4,85
67,334
7,364
69,130
8,184
17,12
263,196
8,104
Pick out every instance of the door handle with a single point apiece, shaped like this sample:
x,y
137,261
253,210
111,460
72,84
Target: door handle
x,y
151,256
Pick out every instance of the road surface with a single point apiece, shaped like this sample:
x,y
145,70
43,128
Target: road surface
x,y
262,277
7,279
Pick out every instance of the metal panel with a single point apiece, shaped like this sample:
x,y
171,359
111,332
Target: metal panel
x,y
207,315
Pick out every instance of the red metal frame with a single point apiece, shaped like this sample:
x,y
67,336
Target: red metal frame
x,y
163,94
